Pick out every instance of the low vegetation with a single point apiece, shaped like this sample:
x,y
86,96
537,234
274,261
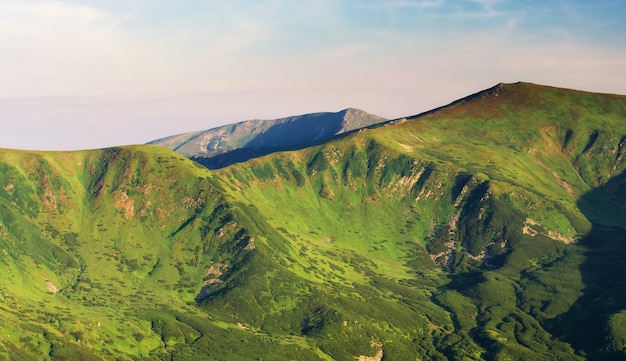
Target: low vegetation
x,y
490,229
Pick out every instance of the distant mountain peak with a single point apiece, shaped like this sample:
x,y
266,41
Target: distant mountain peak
x,y
492,228
263,135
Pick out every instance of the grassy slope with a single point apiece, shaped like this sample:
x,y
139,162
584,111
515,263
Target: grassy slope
x,y
105,251
507,173
433,238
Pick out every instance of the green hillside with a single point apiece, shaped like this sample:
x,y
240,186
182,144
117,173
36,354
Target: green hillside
x,y
489,229
104,254
510,192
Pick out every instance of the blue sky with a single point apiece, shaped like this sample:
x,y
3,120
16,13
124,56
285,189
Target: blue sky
x,y
82,74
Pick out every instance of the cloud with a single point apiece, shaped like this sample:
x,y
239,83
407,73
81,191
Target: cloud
x,y
488,5
61,48
217,61
398,4
56,48
48,47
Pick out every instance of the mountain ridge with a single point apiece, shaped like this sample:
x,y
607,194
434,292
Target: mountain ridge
x,y
224,153
491,229
281,132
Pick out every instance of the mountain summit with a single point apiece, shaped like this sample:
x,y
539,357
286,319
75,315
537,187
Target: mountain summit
x,y
489,229
255,137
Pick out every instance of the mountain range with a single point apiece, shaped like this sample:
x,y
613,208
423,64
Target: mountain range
x,y
488,229
221,146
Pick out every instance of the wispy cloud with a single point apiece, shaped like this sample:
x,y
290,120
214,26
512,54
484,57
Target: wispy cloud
x,y
488,5
48,47
398,4
275,57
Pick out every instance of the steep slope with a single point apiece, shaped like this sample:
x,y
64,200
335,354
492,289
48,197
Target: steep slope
x,y
224,145
490,229
104,254
481,224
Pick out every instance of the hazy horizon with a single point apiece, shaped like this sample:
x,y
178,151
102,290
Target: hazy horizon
x,y
82,74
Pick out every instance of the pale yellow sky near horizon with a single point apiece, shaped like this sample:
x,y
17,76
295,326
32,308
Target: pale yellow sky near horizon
x,y
87,74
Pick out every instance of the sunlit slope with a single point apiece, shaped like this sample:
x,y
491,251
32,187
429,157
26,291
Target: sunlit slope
x,y
105,252
502,189
488,229
512,146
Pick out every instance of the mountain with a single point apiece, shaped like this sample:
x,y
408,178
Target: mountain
x,y
221,146
488,229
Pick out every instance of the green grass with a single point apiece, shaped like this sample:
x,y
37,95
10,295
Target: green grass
x,y
442,237
385,192
118,233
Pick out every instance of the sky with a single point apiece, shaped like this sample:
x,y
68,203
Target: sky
x,y
82,74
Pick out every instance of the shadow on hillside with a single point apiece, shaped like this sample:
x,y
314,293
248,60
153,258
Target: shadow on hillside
x,y
301,129
287,135
591,324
